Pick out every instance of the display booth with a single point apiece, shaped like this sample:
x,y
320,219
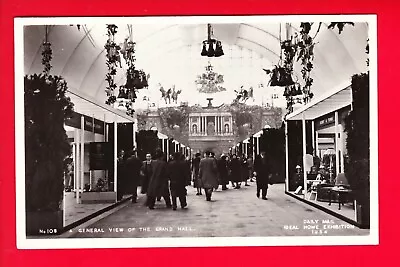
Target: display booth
x,y
316,152
96,133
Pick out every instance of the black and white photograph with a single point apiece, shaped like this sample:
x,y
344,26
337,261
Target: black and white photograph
x,y
195,131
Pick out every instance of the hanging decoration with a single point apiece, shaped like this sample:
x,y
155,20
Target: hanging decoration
x,y
211,52
301,45
210,81
135,79
113,60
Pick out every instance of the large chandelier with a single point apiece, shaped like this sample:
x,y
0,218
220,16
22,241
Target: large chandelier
x,y
211,52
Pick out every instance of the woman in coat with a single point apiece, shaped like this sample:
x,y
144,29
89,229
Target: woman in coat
x,y
177,175
223,172
235,172
262,173
208,174
158,184
195,173
244,170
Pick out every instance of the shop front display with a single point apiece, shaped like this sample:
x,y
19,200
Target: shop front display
x,y
316,148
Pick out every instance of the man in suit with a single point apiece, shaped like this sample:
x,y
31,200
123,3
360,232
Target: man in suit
x,y
208,174
178,176
132,168
158,184
262,172
146,173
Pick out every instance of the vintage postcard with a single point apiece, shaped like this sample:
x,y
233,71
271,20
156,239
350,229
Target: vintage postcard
x,y
196,131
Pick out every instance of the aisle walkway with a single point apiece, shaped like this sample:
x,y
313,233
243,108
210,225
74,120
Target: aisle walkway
x,y
230,213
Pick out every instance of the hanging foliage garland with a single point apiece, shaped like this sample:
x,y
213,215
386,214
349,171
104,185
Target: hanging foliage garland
x,y
300,45
113,58
128,53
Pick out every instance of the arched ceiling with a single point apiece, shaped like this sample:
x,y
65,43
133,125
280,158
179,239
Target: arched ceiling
x,y
171,52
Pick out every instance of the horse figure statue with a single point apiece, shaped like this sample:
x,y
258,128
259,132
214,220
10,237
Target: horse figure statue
x,y
175,95
166,95
243,95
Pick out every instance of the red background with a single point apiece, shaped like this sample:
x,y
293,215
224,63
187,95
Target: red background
x,y
238,256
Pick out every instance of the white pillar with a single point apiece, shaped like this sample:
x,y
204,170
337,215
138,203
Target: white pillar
x,y
313,137
316,144
337,141
286,156
258,145
104,130
134,135
215,125
341,150
254,151
202,125
115,155
82,156
205,125
77,167
167,150
304,156
90,171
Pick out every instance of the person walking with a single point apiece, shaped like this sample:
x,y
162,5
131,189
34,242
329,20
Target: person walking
x,y
177,175
250,164
208,174
121,174
158,184
146,173
195,173
244,169
132,172
262,173
187,162
223,172
235,171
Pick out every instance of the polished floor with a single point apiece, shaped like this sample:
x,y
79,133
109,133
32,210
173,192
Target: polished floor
x,y
230,213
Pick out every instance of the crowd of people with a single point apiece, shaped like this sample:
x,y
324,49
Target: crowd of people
x,y
168,180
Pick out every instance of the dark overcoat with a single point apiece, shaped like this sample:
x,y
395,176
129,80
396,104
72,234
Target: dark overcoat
x,y
235,170
208,173
146,171
177,175
158,184
244,169
263,171
223,171
132,172
195,172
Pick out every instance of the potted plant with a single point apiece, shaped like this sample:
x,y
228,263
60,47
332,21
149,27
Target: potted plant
x,y
357,143
46,149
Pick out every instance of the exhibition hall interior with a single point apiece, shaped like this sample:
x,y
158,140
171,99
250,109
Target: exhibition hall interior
x,y
279,106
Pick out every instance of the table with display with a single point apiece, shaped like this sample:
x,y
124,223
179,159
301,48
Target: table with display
x,y
342,192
